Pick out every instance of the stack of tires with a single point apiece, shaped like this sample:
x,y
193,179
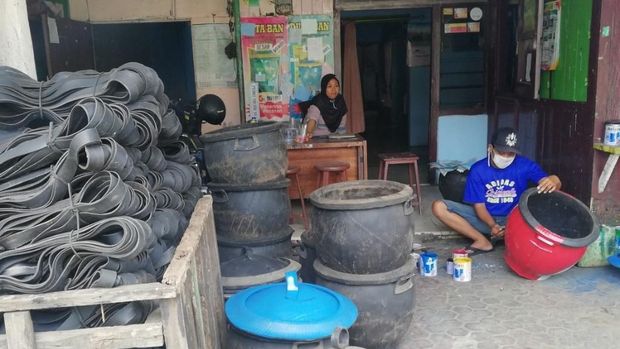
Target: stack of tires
x,y
361,234
247,168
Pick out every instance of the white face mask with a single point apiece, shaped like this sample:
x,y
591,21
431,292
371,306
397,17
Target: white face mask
x,y
502,161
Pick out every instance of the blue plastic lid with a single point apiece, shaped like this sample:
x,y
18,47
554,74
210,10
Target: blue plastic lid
x,y
290,311
614,260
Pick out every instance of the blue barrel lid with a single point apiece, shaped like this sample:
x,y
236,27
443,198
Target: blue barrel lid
x,y
614,260
290,311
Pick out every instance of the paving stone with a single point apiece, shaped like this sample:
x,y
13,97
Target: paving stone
x,y
579,308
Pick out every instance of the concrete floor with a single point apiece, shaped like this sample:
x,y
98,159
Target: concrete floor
x,y
579,308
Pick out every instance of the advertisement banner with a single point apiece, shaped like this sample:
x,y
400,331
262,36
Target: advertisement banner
x,y
264,42
311,51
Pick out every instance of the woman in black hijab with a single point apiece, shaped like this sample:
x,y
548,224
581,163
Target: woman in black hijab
x,y
326,112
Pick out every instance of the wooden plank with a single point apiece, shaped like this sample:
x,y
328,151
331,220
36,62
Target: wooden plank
x,y
188,309
213,298
328,7
93,296
337,43
306,7
435,85
297,7
177,270
19,330
174,324
194,292
186,317
355,5
569,82
119,337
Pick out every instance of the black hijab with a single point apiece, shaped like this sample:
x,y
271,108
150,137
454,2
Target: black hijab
x,y
332,111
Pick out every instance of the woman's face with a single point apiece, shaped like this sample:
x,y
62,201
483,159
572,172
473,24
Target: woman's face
x,y
332,89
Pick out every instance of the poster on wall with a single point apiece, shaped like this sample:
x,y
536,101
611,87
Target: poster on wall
x,y
311,52
551,35
211,66
265,68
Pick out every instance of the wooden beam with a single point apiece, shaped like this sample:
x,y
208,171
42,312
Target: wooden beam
x,y
337,45
92,296
118,337
351,5
435,75
19,330
179,266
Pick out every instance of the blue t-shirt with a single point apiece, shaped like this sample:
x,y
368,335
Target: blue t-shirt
x,y
500,189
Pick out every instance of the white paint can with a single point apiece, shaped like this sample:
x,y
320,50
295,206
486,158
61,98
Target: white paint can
x,y
612,133
462,269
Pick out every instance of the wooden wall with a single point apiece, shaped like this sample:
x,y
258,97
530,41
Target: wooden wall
x,y
564,128
606,205
195,11
569,82
258,8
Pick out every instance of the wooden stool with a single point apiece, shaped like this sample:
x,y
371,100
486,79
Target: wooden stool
x,y
292,173
411,160
339,168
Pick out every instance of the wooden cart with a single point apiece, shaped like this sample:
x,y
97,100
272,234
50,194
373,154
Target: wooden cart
x,y
190,314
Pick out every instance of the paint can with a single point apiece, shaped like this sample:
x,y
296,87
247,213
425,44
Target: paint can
x,y
428,264
459,253
612,133
462,269
450,266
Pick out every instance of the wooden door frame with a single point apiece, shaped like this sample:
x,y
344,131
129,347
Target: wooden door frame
x,y
435,5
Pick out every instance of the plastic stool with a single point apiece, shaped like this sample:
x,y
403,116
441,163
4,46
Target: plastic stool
x,y
339,168
292,173
410,159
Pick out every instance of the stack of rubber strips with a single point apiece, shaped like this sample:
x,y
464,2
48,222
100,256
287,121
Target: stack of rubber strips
x,y
95,188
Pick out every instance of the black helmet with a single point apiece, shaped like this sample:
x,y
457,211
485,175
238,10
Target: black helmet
x,y
211,109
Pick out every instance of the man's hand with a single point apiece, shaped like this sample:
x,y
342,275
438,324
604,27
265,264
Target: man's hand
x,y
497,231
549,184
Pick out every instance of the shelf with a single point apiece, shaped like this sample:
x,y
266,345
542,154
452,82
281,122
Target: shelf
x,y
607,148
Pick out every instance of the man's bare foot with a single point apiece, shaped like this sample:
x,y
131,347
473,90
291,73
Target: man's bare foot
x,y
482,244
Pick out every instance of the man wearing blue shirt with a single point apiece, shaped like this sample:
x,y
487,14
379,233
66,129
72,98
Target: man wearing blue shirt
x,y
493,188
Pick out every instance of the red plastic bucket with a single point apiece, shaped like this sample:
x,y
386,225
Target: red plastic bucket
x,y
547,234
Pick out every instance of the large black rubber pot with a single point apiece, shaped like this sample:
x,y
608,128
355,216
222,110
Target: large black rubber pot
x,y
250,153
281,247
238,339
252,270
362,227
452,185
251,213
385,303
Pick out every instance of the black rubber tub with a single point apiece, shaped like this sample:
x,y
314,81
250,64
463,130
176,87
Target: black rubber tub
x,y
251,213
238,339
252,270
385,302
281,247
362,227
452,185
250,153
306,254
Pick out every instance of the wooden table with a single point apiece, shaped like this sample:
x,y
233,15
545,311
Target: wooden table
x,y
305,155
